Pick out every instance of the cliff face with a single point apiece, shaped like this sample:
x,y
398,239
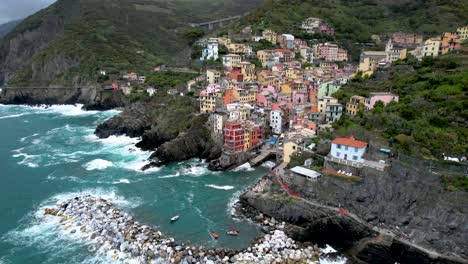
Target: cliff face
x,y
167,125
19,47
91,97
315,221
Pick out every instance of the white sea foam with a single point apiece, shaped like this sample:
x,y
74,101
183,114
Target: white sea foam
x,y
126,181
98,164
12,116
170,176
234,199
328,256
196,171
268,164
24,138
244,167
224,187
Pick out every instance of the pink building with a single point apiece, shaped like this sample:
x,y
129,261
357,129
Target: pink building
x,y
284,98
261,100
300,97
326,29
386,98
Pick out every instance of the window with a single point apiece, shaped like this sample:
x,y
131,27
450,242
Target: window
x,y
294,147
346,147
355,149
338,154
354,157
338,146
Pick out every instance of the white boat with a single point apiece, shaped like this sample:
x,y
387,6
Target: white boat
x,y
175,218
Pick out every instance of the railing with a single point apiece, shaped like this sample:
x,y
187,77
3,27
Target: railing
x,y
345,162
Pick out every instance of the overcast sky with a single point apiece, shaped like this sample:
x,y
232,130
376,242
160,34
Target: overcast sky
x,y
16,9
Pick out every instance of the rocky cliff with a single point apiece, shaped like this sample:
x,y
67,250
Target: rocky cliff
x,y
92,98
315,221
167,125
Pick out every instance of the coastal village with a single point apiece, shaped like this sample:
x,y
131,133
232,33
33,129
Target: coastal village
x,y
278,100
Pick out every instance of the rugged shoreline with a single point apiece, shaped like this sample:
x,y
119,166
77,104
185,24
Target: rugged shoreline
x,y
115,234
318,223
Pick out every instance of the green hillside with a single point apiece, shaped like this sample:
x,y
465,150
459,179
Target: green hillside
x,y
432,115
114,35
356,20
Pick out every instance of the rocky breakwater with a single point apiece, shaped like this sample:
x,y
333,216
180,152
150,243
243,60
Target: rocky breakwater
x,y
167,125
115,235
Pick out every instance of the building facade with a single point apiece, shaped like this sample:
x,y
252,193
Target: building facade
x,y
348,149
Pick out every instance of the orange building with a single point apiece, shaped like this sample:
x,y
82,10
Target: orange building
x,y
450,41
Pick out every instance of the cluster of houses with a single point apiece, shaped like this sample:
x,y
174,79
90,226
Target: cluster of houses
x,y
400,44
291,94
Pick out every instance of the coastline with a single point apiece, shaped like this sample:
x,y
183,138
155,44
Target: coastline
x,y
115,234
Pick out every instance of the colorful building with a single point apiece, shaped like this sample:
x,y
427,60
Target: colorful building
x,y
270,36
231,60
213,76
354,104
463,33
234,135
386,98
348,149
450,42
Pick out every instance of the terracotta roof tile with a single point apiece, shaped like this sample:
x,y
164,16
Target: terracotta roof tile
x,y
350,142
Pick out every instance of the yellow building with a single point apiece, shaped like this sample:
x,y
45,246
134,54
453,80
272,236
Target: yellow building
x,y
224,41
286,89
248,71
210,101
291,146
463,33
322,103
265,57
432,47
269,35
354,104
247,96
237,48
213,76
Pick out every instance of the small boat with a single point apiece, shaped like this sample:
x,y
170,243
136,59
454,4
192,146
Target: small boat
x,y
214,234
233,232
175,218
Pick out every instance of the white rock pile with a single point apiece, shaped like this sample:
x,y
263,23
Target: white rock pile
x,y
113,233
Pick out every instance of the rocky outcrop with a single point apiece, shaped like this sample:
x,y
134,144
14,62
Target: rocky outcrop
x,y
319,220
166,125
195,142
229,160
93,98
133,121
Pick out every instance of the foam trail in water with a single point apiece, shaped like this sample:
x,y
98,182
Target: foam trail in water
x,y
225,187
244,167
98,164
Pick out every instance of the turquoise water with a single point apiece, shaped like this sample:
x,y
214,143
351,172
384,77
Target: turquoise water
x,y
50,154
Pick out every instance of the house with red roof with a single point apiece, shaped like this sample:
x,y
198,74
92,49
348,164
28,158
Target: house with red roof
x,y
348,149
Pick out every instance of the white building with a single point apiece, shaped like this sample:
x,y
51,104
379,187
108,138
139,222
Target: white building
x,y
276,121
307,54
219,120
211,50
231,60
348,149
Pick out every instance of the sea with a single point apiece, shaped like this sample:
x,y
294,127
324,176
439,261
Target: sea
x,y
50,154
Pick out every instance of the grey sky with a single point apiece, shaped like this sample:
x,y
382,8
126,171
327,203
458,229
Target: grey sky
x,y
16,9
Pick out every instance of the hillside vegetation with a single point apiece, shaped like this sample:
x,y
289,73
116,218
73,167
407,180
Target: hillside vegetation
x,y
432,115
356,20
79,37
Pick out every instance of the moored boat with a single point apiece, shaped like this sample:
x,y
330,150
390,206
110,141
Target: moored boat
x,y
233,232
214,234
175,218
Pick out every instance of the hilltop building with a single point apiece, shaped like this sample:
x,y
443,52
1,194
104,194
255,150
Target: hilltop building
x,y
211,50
